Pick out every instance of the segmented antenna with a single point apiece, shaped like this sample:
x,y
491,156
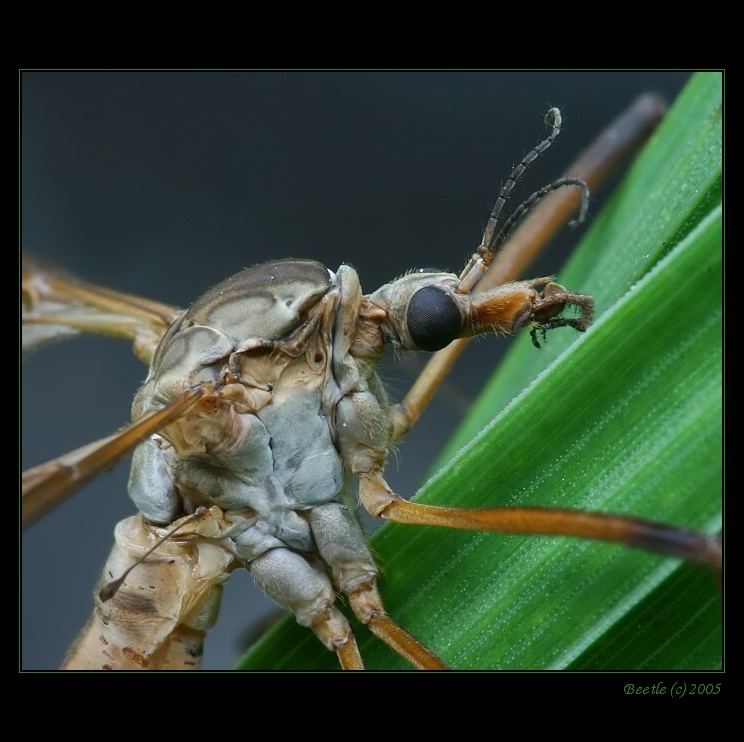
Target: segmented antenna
x,y
491,242
526,206
552,119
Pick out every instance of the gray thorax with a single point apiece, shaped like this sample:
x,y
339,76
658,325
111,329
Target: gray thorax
x,y
304,411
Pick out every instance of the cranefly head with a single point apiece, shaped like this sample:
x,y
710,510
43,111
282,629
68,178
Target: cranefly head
x,y
427,310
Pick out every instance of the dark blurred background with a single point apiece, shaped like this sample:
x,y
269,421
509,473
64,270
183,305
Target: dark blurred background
x,y
163,183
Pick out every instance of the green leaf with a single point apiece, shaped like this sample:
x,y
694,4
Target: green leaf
x,y
671,187
624,419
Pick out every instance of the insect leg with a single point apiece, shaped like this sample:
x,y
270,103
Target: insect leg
x,y
291,581
380,501
46,485
368,608
341,543
602,159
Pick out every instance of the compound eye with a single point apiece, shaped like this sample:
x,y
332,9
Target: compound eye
x,y
433,318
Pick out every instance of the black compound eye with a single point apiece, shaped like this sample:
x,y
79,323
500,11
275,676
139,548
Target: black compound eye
x,y
433,319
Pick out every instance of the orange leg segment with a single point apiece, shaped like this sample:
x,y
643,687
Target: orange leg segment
x,y
348,655
380,501
368,608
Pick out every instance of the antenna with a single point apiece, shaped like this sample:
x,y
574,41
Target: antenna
x,y
483,256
